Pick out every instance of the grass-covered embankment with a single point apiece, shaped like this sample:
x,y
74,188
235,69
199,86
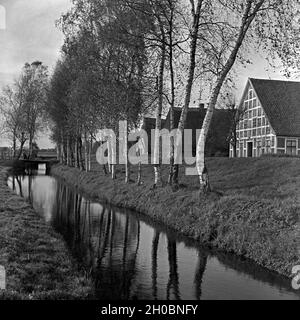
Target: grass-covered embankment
x,y
37,262
256,216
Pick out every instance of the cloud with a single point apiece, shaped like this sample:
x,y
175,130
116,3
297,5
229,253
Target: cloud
x,y
31,33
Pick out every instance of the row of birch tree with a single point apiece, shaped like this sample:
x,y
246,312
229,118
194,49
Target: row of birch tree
x,y
122,59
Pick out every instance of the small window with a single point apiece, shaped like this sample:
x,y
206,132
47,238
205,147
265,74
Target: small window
x,y
254,113
259,122
259,112
250,94
250,114
268,130
291,147
280,143
254,122
273,141
254,103
263,121
246,105
280,151
263,131
254,132
259,132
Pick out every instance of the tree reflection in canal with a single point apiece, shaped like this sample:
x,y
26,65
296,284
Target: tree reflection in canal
x,y
131,257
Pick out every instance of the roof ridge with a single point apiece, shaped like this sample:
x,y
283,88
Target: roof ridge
x,y
276,80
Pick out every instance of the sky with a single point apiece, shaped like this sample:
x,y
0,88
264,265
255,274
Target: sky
x,y
30,34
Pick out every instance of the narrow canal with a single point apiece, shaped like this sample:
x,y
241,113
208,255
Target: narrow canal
x,y
130,257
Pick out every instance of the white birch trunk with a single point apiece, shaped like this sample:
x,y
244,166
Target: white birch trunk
x,y
200,156
86,145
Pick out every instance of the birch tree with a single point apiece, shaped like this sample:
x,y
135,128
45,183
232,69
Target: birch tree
x,y
241,19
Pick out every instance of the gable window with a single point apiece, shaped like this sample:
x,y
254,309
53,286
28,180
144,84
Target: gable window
x,y
254,103
259,122
259,112
246,105
291,147
250,94
259,131
268,130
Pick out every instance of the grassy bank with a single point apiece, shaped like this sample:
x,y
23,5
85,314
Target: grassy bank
x,y
255,212
37,262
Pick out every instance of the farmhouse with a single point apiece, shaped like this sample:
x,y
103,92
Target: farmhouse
x,y
270,121
217,140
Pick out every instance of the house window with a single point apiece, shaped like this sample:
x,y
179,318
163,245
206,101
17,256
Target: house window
x,y
254,132
250,114
280,143
254,103
259,132
254,113
259,112
246,105
291,147
254,123
268,130
263,131
263,120
259,122
250,94
245,124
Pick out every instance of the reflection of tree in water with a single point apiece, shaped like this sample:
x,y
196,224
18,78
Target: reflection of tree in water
x,y
173,283
201,266
105,242
155,243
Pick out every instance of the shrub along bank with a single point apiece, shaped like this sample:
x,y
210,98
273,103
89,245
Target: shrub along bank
x,y
254,213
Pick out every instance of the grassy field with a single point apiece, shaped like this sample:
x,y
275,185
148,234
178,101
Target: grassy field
x,y
36,259
253,211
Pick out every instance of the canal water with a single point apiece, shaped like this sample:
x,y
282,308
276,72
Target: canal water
x,y
130,257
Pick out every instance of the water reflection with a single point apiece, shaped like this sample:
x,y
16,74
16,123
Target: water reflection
x,y
129,257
